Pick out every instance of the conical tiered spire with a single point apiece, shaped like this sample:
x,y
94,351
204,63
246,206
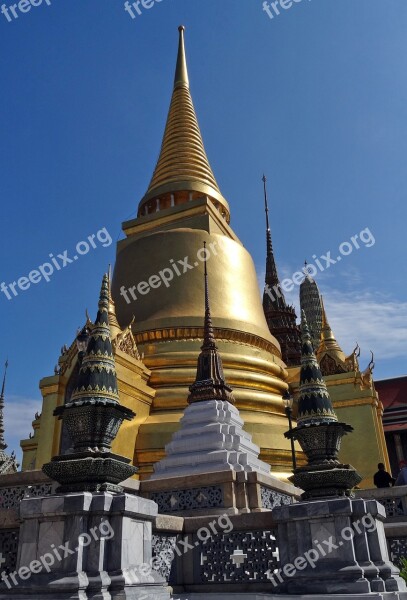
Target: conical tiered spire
x,y
97,376
3,444
314,404
281,318
210,381
310,302
271,268
183,166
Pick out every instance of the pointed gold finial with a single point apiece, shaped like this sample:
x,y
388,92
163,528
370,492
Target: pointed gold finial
x,y
183,169
181,71
115,328
328,340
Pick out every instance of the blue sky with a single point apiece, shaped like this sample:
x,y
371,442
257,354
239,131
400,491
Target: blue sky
x,y
316,98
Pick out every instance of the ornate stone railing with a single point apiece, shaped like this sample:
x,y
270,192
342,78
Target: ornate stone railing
x,y
206,553
9,548
394,500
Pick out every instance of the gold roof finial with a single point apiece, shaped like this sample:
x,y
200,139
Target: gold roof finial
x,y
328,340
181,71
113,322
183,166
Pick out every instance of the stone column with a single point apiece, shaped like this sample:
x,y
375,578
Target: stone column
x,y
86,546
330,547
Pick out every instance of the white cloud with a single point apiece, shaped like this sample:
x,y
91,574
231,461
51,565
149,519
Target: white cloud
x,y
377,322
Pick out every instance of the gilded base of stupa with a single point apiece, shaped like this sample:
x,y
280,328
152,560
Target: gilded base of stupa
x,y
169,330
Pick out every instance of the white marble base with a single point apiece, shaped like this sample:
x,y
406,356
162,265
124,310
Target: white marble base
x,y
211,438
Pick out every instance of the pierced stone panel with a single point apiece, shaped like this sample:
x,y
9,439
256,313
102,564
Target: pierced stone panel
x,y
393,506
270,498
8,550
164,556
194,498
10,498
238,556
397,550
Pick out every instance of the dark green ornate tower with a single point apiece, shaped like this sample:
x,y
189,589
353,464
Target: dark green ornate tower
x,y
319,433
93,417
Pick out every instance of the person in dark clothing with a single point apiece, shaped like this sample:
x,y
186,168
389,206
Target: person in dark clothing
x,y
382,478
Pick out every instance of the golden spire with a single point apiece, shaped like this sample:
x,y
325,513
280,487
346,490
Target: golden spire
x,y
115,328
183,166
181,71
328,341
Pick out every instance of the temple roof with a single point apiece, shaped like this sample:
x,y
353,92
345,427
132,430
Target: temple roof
x,y
183,164
393,393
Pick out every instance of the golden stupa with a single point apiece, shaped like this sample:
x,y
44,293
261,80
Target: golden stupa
x,y
182,208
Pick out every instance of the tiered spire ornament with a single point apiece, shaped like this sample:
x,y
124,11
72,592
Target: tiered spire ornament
x,y
319,433
97,380
314,404
311,304
93,417
281,318
183,166
8,464
210,380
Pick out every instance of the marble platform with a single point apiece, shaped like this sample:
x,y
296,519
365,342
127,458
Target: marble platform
x,y
210,439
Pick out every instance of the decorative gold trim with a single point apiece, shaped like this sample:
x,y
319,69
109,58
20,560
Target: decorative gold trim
x,y
196,333
351,403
